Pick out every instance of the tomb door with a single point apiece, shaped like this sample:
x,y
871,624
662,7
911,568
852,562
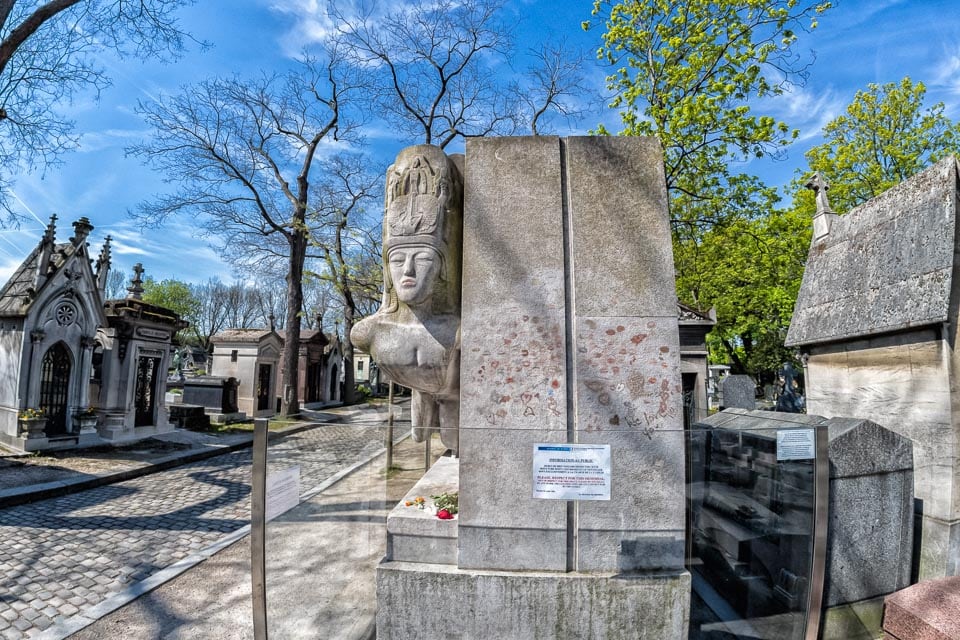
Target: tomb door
x,y
55,388
334,380
263,387
145,398
313,382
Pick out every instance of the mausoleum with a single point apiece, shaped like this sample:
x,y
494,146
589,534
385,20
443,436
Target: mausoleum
x,y
877,322
90,371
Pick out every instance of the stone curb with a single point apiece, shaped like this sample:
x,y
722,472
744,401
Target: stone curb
x,y
55,489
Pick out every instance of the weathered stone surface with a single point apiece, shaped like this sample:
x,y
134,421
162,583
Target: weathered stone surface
x,y
902,381
622,251
513,352
928,610
886,265
739,392
870,544
528,606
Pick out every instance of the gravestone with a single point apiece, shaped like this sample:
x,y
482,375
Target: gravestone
x,y
217,395
569,347
870,536
739,392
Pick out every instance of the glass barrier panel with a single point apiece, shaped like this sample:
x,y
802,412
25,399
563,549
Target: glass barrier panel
x,y
752,530
743,524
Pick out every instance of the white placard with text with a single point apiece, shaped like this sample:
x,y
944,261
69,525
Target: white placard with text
x,y
283,491
796,444
571,471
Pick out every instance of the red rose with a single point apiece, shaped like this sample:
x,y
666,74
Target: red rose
x,y
443,514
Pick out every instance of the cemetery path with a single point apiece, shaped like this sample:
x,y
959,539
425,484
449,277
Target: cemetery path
x,y
64,555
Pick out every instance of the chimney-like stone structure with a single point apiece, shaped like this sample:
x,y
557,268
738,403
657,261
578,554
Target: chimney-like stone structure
x,y
103,267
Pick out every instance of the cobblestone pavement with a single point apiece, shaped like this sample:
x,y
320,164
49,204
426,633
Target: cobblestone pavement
x,y
63,555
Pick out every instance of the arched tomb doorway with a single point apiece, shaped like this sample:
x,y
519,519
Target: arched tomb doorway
x,y
55,388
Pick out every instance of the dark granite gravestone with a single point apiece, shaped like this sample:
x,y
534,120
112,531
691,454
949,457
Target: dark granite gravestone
x,y
739,392
218,394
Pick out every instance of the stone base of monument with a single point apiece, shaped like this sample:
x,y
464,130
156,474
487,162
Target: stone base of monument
x,y
421,593
440,601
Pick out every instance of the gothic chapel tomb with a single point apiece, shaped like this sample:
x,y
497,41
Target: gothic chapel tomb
x,y
76,370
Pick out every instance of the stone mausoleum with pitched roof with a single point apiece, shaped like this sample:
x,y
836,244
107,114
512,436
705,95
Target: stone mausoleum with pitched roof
x,y
95,370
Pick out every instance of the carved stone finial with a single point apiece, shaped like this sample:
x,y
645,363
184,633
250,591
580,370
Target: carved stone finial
x,y
824,217
136,285
81,229
103,266
272,320
50,235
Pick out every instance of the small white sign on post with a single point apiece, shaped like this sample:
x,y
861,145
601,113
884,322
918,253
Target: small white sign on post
x,y
283,491
796,444
571,471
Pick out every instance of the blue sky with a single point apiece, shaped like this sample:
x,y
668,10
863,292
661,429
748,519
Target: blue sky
x,y
858,42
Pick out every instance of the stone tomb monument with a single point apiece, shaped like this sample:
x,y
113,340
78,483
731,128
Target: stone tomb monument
x,y
569,335
878,319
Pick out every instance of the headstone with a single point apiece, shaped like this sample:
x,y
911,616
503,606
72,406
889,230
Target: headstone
x,y
739,392
870,536
569,339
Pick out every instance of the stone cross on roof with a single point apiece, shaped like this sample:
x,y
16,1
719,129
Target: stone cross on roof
x,y
136,285
819,185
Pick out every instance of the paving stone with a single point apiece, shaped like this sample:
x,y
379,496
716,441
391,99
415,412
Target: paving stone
x,y
75,551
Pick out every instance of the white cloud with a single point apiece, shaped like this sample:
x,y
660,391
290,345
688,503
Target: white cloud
x,y
808,111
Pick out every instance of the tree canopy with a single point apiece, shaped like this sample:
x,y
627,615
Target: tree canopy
x,y
689,72
48,53
884,136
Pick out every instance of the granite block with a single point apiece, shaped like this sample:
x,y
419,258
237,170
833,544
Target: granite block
x,y
622,249
739,392
928,610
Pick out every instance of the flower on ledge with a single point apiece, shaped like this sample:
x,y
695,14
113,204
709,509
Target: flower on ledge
x,y
443,514
417,502
31,414
89,412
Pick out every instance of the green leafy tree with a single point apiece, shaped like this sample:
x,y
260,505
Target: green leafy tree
x,y
884,137
174,295
751,273
687,72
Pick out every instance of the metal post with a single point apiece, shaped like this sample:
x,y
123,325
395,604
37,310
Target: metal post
x,y
426,451
390,427
258,568
821,517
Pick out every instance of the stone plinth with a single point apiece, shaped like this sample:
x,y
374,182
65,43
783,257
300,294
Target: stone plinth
x,y
417,535
528,606
929,610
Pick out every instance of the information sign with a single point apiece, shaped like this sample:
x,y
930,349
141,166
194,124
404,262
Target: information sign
x,y
796,444
283,491
571,471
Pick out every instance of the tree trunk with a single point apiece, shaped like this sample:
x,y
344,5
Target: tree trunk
x,y
349,381
290,403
